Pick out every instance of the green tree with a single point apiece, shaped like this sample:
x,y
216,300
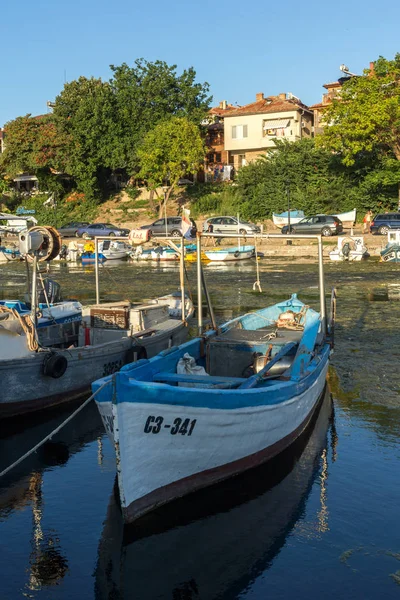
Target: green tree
x,y
84,114
173,149
150,92
34,146
366,119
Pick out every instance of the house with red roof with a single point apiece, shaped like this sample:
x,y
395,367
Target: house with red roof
x,y
251,130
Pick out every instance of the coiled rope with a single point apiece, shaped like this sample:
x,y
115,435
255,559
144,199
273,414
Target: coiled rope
x,y
56,430
27,326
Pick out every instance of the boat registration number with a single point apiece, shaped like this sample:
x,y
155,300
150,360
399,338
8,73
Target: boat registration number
x,y
179,425
112,367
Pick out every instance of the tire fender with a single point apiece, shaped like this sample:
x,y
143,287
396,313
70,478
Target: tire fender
x,y
54,365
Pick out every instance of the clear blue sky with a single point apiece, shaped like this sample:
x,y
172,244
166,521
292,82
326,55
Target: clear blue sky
x,y
239,47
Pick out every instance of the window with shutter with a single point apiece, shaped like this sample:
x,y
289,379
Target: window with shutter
x,y
234,132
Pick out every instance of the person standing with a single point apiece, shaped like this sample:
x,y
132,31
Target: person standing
x,y
367,222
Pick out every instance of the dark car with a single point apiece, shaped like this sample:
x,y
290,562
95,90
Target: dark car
x,y
101,229
382,223
70,229
172,228
317,224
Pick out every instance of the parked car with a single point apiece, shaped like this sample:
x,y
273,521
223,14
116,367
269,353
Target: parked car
x,y
103,229
71,229
173,227
230,225
317,224
382,223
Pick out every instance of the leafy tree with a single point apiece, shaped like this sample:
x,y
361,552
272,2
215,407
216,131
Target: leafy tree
x,y
33,145
148,93
84,114
366,119
168,152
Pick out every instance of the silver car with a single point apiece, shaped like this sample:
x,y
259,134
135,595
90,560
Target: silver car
x,y
230,225
173,227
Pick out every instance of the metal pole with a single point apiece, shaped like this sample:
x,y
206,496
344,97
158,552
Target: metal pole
x,y
165,213
182,276
199,282
34,292
321,284
208,299
288,204
96,269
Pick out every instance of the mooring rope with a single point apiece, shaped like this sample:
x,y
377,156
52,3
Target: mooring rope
x,y
27,326
56,430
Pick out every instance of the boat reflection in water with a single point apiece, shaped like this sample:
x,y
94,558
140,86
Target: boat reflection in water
x,y
215,543
22,488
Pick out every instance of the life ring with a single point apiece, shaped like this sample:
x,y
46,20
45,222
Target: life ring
x,y
135,353
236,254
55,365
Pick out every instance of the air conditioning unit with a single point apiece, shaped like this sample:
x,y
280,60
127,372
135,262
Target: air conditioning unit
x,y
303,124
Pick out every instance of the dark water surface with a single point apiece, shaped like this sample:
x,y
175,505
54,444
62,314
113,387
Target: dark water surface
x,y
321,521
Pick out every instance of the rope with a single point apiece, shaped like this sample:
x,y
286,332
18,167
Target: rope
x,y
27,326
56,430
257,283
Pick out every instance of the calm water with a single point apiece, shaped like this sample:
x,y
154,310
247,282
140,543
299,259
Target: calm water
x,y
322,521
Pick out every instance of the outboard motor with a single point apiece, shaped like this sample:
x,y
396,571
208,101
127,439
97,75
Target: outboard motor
x,y
53,291
346,250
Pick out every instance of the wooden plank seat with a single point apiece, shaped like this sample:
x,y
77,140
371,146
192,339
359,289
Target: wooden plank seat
x,y
191,378
259,335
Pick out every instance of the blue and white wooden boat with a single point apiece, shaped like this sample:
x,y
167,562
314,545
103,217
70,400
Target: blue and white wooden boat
x,y
229,254
175,433
391,252
89,258
9,254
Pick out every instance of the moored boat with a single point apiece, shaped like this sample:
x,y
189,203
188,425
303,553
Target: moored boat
x,y
194,547
391,252
215,406
297,215
229,254
51,352
282,219
349,248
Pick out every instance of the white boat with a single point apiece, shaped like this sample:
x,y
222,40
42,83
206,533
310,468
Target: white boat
x,y
282,219
297,215
100,341
114,250
213,545
229,254
16,223
260,378
391,252
9,254
349,247
50,353
158,253
347,217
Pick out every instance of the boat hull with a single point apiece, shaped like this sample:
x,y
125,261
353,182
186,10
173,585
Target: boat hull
x,y
279,221
230,254
25,388
391,254
155,469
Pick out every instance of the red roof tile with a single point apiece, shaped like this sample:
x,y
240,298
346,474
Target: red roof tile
x,y
272,104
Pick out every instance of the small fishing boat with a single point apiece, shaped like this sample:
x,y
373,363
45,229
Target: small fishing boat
x,y
51,352
213,544
283,218
297,215
349,248
217,405
9,254
391,252
159,253
347,217
114,250
229,254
